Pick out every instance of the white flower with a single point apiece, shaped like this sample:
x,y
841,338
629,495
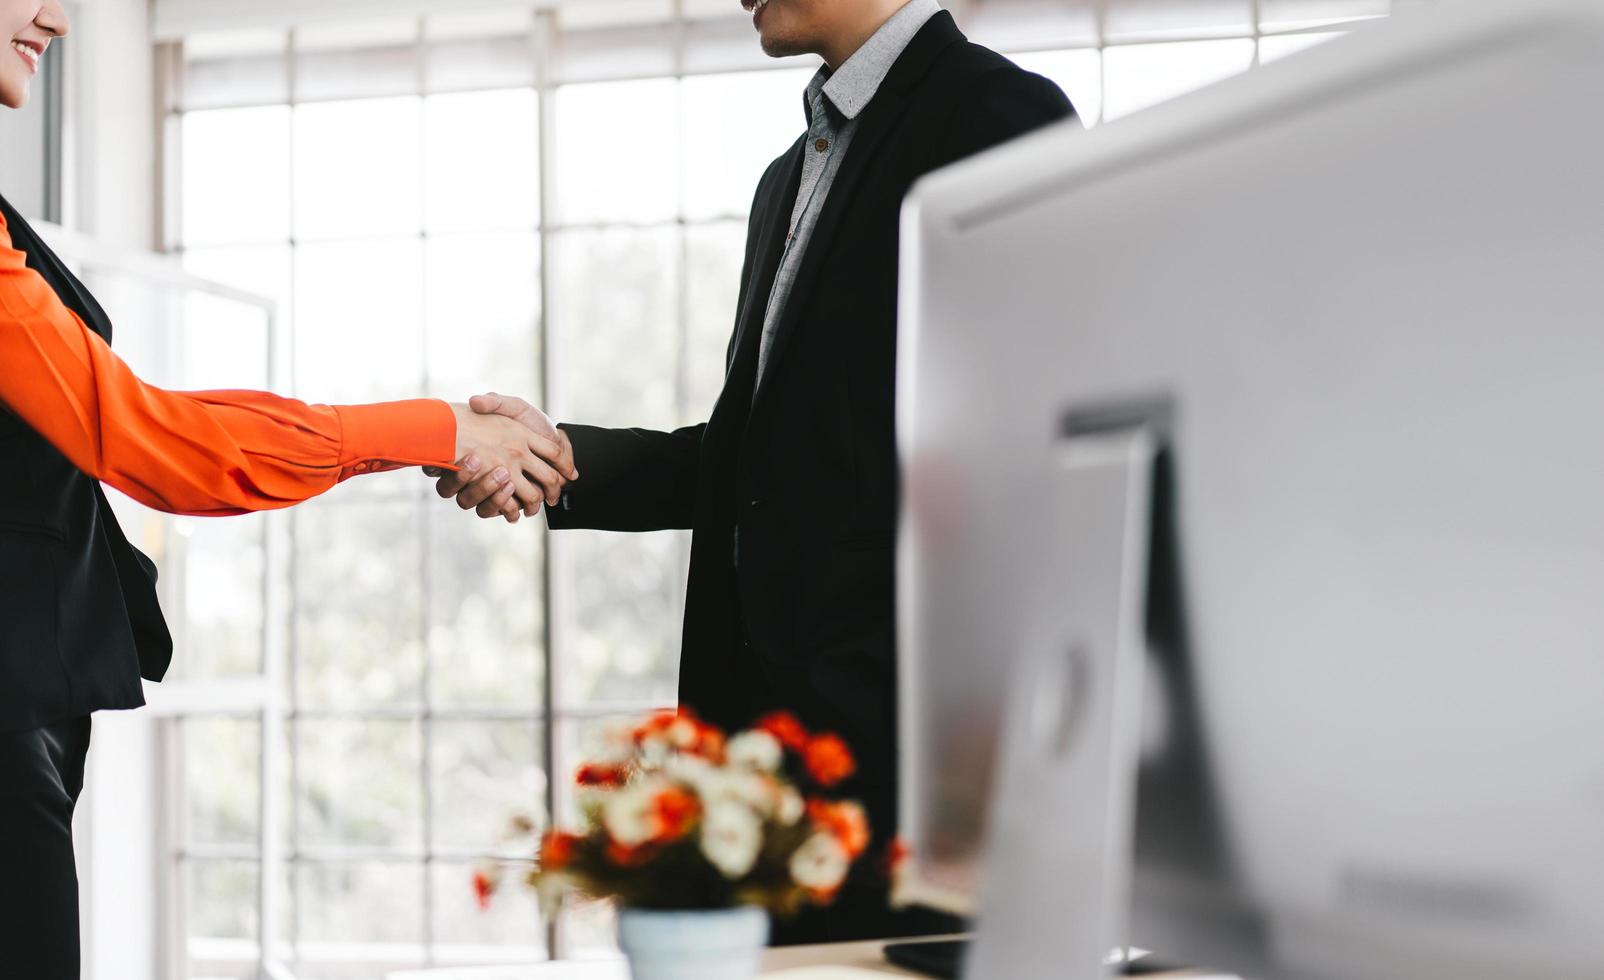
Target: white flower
x,y
691,770
732,836
682,733
789,808
654,751
754,789
722,783
713,783
820,864
759,750
628,814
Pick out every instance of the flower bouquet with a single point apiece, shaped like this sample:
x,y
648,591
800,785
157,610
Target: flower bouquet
x,y
696,835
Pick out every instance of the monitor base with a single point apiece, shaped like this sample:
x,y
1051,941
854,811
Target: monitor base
x,y
943,958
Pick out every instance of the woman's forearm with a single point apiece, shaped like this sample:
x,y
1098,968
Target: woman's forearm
x,y
219,452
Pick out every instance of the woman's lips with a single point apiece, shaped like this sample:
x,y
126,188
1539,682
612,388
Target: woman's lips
x,y
29,53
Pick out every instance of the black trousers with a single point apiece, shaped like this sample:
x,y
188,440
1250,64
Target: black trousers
x,y
41,775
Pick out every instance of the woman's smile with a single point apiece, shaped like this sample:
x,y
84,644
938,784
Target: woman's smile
x,y
30,52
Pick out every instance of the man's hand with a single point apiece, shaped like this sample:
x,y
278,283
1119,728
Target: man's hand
x,y
491,490
504,460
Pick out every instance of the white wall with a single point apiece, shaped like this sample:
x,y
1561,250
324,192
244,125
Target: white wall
x,y
22,158
111,128
112,123
116,834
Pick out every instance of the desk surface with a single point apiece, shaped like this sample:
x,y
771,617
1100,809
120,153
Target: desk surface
x,y
844,961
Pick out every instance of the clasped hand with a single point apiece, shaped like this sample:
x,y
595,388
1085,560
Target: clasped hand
x,y
511,458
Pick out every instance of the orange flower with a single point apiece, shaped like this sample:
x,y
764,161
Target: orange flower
x,y
710,744
683,731
656,724
604,776
675,810
785,728
828,760
896,855
557,850
844,821
484,887
629,857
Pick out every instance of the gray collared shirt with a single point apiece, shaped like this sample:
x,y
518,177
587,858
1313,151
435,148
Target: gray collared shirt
x,y
832,104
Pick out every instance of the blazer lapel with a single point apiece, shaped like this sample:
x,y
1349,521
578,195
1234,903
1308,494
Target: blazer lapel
x,y
876,121
72,293
741,369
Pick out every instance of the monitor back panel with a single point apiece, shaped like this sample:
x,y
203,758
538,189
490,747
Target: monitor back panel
x,y
1370,283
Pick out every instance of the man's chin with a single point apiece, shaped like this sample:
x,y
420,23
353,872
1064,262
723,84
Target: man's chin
x,y
778,45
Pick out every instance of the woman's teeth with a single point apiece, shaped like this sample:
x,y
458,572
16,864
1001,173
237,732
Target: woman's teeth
x,y
27,52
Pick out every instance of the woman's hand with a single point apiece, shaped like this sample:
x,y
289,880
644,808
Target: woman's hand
x,y
512,458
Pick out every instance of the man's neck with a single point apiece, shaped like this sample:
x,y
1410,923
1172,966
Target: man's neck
x,y
867,18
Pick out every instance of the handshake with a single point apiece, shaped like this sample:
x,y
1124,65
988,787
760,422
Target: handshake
x,y
511,458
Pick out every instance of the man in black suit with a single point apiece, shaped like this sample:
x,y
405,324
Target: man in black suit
x,y
791,485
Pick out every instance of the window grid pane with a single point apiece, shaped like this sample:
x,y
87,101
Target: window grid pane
x,y
221,762
615,147
481,161
221,935
357,588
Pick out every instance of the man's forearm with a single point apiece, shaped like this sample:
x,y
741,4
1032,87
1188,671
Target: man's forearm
x,y
630,479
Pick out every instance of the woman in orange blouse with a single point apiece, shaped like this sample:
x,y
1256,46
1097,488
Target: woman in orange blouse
x,y
79,621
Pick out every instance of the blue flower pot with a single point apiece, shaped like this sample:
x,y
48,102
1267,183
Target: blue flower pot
x,y
719,944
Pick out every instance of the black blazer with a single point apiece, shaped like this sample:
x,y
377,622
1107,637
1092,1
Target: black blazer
x,y
793,495
79,622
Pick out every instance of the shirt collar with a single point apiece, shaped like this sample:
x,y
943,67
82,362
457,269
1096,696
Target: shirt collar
x,y
851,87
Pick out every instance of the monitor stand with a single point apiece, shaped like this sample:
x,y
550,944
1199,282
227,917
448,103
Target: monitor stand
x,y
1056,882
944,958
940,958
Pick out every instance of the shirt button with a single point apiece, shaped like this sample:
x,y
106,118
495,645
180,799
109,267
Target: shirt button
x,y
821,144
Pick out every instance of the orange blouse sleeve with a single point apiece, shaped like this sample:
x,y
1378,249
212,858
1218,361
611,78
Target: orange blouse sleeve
x,y
205,452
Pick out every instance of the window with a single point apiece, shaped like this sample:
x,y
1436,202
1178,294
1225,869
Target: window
x,y
182,332
545,202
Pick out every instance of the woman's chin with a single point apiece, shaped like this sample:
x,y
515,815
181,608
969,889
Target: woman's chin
x,y
13,97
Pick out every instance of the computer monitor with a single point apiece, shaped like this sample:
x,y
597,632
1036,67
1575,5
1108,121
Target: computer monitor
x,y
1368,284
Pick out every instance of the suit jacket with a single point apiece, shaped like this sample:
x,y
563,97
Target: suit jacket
x,y
79,620
793,493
